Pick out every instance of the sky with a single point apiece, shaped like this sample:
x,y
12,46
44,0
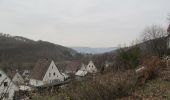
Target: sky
x,y
87,23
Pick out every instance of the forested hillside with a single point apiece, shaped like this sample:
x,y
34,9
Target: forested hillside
x,y
18,50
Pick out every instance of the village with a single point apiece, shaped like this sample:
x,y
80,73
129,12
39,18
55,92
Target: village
x,y
84,50
49,76
45,74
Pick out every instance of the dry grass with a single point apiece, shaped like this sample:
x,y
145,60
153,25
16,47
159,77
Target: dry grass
x,y
104,87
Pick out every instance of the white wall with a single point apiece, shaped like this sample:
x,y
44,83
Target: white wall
x,y
17,79
10,88
53,74
34,82
91,68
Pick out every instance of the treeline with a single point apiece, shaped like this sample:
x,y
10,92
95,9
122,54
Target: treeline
x,y
19,50
153,42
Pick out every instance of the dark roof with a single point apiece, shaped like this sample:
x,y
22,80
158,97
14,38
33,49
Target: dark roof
x,y
11,73
73,65
40,69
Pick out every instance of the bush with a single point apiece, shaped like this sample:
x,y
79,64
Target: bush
x,y
104,87
128,58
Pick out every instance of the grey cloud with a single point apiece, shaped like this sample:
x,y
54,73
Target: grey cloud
x,y
91,23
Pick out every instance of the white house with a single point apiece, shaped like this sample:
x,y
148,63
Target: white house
x,y
72,67
91,68
16,77
7,87
82,71
45,72
26,75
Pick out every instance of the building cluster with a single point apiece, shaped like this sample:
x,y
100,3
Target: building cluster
x,y
45,73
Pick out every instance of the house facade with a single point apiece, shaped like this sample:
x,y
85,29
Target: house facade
x,y
17,79
91,68
7,87
26,75
45,72
82,71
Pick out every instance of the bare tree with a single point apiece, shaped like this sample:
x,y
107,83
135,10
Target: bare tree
x,y
154,39
153,32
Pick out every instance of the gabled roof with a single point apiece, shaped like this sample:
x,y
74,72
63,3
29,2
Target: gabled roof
x,y
73,65
81,73
11,73
40,69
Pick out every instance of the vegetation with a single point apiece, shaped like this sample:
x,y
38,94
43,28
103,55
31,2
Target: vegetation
x,y
154,40
103,87
127,58
15,50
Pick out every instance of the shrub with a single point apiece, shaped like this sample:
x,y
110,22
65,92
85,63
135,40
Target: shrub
x,y
128,58
104,87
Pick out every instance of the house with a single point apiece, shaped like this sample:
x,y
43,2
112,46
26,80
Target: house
x,y
7,87
16,77
26,75
91,68
65,76
45,72
82,71
72,67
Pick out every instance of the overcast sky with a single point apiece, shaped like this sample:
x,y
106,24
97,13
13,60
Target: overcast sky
x,y
92,23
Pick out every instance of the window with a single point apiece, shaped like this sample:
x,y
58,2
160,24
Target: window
x,y
0,75
54,73
49,74
52,67
5,84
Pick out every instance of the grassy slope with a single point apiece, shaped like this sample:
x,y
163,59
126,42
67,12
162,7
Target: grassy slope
x,y
152,90
155,89
104,87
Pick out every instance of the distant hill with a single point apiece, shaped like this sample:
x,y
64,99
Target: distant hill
x,y
16,49
93,50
